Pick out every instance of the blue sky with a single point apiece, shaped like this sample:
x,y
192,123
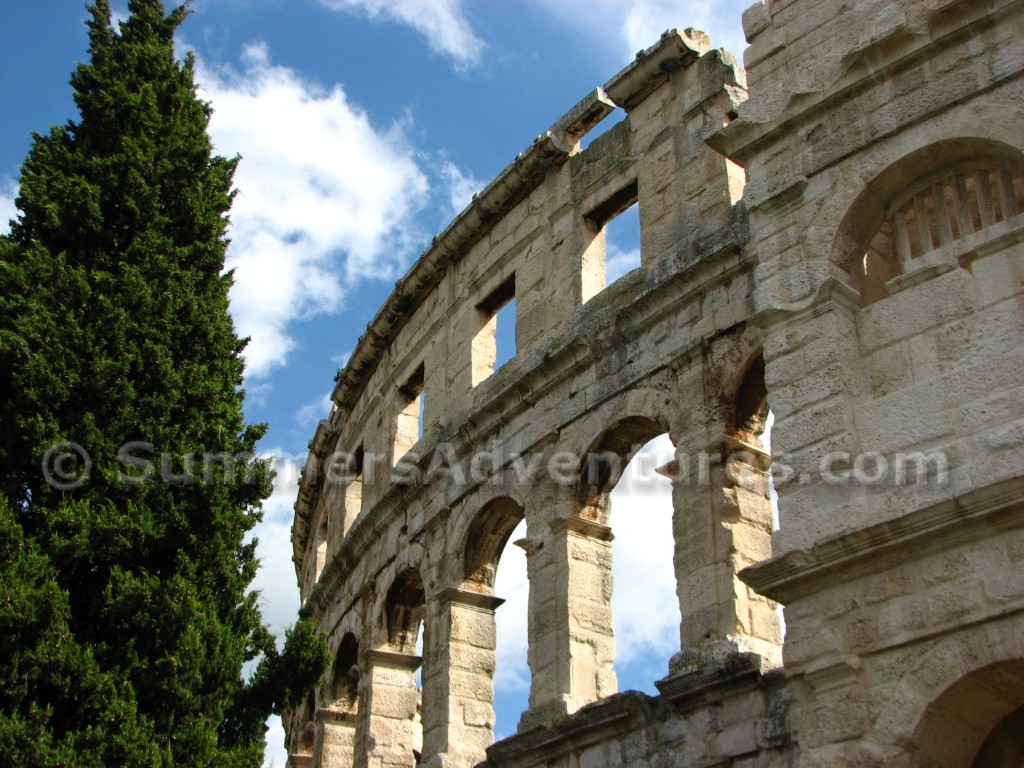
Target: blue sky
x,y
364,126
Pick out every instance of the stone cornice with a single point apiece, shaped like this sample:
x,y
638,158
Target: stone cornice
x,y
465,598
601,722
393,660
865,551
675,50
594,724
582,527
696,688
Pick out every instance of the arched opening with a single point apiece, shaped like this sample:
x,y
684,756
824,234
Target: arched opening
x,y
320,544
606,460
753,421
491,567
750,407
389,712
337,717
1004,747
934,206
978,722
752,426
343,687
644,602
485,543
404,612
621,488
512,673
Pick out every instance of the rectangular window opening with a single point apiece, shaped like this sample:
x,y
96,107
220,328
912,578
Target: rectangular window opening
x,y
354,488
409,421
505,334
495,341
615,249
610,120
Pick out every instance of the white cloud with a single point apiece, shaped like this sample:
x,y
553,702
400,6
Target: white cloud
x,y
461,187
442,22
618,262
118,15
275,755
325,198
637,24
275,580
8,191
311,413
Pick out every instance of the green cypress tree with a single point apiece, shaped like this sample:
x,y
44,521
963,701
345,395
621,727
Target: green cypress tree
x,y
125,616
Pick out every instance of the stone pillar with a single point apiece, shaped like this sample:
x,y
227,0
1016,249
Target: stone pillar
x,y
722,522
458,679
813,358
572,640
387,727
335,739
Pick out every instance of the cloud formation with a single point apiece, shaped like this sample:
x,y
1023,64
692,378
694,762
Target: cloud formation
x,y
311,413
629,25
325,198
461,187
8,191
275,580
637,24
442,22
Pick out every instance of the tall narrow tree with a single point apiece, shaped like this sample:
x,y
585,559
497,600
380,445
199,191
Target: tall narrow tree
x,y
125,615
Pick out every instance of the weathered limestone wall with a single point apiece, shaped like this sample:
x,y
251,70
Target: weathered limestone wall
x,y
844,246
883,148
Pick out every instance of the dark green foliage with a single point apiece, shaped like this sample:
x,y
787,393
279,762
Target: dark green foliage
x,y
124,617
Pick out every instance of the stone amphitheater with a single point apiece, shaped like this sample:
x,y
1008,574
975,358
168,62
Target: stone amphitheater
x,y
833,230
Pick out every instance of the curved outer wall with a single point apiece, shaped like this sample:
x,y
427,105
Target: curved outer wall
x,y
846,243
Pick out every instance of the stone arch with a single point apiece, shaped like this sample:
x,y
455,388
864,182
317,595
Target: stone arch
x,y
334,746
603,462
963,689
588,555
944,193
342,692
389,716
404,611
749,410
1004,746
971,720
732,362
485,539
307,732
